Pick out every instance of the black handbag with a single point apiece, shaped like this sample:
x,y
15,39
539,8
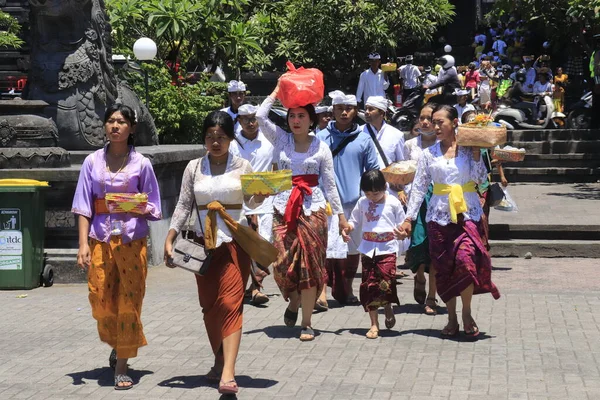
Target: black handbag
x,y
189,254
495,195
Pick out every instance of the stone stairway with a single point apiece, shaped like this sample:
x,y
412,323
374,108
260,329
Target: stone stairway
x,y
553,220
566,156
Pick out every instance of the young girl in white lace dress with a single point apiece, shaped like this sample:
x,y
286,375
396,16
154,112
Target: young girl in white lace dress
x,y
377,215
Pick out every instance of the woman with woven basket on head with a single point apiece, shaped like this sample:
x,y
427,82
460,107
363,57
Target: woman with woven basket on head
x,y
461,261
300,220
112,242
417,257
213,185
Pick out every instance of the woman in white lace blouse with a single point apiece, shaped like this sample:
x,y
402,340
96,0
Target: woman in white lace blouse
x,y
214,183
300,221
462,263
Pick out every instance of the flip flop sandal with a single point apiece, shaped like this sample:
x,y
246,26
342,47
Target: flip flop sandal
x,y
430,306
122,378
471,330
372,334
419,292
290,318
112,359
321,306
229,387
448,333
307,331
390,323
259,298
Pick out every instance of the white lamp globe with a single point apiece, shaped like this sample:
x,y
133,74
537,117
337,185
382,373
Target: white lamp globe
x,y
144,49
447,48
546,45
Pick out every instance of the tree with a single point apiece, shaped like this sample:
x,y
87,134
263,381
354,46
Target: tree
x,y
9,32
562,21
198,31
338,34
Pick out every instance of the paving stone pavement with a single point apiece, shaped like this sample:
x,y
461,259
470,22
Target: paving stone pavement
x,y
540,341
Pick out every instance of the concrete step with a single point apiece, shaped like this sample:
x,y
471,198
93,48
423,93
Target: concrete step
x,y
559,146
544,232
564,175
64,263
545,248
578,160
553,134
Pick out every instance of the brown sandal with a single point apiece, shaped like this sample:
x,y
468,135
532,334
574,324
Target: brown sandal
x,y
419,292
430,306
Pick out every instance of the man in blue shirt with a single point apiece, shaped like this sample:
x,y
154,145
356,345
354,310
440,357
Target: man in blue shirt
x,y
353,154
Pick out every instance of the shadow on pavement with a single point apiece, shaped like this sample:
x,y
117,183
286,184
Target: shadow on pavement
x,y
383,333
417,309
437,333
196,381
582,192
105,376
277,332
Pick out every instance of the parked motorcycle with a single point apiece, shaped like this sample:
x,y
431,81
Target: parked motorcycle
x,y
404,117
514,117
580,114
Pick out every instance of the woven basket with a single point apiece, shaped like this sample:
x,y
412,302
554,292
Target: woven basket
x,y
396,178
508,155
481,136
126,202
389,67
266,183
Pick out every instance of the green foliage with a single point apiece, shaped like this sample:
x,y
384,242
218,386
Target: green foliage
x,y
561,20
178,111
337,34
9,32
198,31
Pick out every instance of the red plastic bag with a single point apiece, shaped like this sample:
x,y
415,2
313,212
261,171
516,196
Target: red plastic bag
x,y
299,87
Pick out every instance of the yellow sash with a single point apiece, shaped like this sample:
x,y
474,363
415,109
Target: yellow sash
x,y
456,198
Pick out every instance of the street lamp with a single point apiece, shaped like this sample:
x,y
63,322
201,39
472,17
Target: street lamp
x,y
144,49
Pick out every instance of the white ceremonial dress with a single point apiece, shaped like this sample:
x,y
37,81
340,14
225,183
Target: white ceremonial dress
x,y
435,168
226,189
371,84
368,217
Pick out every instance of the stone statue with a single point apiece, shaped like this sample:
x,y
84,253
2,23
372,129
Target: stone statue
x,y
71,70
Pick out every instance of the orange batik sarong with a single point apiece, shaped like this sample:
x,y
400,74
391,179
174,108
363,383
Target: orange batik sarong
x,y
117,284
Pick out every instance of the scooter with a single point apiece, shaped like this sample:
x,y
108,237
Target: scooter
x,y
516,118
580,114
404,117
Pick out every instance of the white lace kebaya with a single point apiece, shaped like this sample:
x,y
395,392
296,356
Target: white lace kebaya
x,y
316,161
434,168
206,188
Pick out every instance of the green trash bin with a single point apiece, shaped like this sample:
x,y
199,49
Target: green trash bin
x,y
22,217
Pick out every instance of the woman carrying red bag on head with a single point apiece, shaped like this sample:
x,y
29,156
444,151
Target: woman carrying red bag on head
x,y
300,220
299,87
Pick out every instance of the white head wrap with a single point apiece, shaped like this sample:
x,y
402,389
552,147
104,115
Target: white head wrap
x,y
338,97
321,109
247,109
330,109
374,56
459,92
378,102
236,86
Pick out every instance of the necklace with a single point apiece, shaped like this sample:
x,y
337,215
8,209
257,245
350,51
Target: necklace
x,y
113,177
214,162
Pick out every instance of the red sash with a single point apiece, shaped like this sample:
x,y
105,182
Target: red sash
x,y
302,187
